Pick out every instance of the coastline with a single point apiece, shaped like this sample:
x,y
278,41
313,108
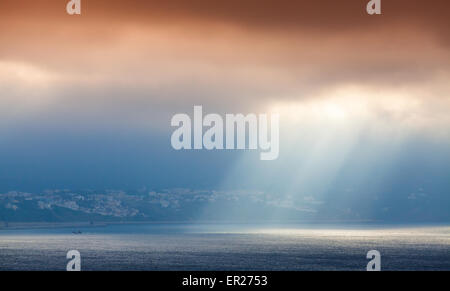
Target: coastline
x,y
41,225
307,224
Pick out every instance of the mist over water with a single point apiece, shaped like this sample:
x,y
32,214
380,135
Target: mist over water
x,y
227,247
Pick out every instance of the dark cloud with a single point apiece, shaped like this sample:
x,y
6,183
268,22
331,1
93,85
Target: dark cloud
x,y
228,53
284,14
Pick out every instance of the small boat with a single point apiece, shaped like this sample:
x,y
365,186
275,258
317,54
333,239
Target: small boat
x,y
77,232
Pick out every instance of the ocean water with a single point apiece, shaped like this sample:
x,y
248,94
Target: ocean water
x,y
227,247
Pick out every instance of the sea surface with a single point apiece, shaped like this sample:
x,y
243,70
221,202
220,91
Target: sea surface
x,y
227,247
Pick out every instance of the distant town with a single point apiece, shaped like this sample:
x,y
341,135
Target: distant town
x,y
185,205
141,205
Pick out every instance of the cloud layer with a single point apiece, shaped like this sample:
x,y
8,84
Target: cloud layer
x,y
122,66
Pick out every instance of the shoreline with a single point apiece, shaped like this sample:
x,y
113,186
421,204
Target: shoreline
x,y
340,224
44,225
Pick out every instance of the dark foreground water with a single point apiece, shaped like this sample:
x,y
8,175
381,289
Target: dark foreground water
x,y
226,247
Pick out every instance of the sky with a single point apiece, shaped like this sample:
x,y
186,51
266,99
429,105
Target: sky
x,y
86,101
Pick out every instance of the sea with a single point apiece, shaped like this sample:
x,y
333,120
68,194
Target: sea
x,y
231,247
